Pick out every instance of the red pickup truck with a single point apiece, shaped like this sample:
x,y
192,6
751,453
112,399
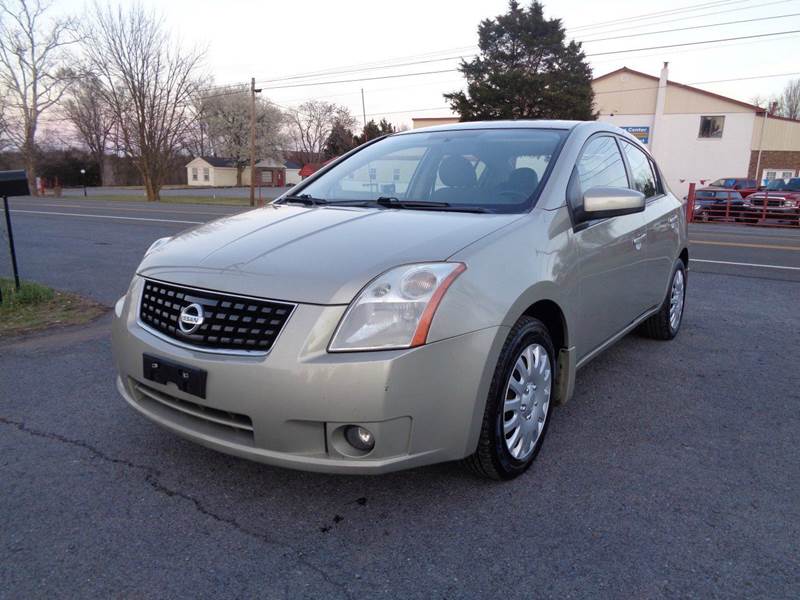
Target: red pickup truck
x,y
741,184
780,202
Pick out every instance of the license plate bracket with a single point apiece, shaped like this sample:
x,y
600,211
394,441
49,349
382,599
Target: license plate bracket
x,y
163,371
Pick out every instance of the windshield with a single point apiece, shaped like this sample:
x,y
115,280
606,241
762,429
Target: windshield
x,y
793,185
724,183
776,184
499,170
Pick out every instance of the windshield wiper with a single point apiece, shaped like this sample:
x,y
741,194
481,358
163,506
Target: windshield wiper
x,y
304,199
392,202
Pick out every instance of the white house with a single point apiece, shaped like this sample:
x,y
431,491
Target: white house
x,y
210,171
694,134
292,172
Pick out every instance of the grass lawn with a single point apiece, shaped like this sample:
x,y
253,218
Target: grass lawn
x,y
36,307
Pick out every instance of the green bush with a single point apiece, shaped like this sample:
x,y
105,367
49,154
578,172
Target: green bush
x,y
28,294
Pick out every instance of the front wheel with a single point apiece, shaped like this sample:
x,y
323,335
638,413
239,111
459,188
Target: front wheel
x,y
664,325
519,404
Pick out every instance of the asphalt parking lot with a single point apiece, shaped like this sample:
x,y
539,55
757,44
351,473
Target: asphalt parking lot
x,y
673,472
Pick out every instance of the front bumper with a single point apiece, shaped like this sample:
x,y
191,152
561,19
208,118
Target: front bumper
x,y
773,212
424,405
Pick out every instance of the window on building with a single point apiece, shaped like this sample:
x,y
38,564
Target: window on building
x,y
206,174
601,164
194,173
711,127
643,179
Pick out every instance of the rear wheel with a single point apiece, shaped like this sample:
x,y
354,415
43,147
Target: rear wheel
x,y
664,325
518,407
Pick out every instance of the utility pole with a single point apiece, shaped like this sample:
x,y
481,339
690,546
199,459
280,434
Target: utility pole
x,y
253,92
773,106
364,113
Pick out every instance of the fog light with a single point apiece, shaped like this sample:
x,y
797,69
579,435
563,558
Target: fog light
x,y
359,438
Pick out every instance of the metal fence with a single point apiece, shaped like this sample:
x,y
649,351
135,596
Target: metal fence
x,y
764,208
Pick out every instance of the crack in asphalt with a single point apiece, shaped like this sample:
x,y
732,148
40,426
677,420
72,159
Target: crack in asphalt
x,y
152,477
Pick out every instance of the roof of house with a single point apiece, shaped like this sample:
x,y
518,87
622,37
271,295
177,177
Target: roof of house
x,y
756,109
216,161
292,164
311,168
269,163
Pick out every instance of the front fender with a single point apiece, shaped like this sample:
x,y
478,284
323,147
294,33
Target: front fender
x,y
508,271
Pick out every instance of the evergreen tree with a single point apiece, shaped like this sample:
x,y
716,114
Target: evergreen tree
x,y
385,127
370,132
525,70
340,140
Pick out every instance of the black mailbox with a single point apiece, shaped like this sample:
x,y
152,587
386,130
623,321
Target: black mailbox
x,y
13,183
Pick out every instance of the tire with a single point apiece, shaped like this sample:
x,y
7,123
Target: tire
x,y
662,326
504,448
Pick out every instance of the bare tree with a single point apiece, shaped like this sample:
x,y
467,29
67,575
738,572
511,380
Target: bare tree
x,y
92,118
226,118
790,100
310,126
33,73
148,83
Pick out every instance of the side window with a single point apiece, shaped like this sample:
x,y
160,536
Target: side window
x,y
711,127
600,164
642,177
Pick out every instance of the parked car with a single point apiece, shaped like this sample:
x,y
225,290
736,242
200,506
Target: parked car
x,y
741,184
773,185
781,204
340,330
712,204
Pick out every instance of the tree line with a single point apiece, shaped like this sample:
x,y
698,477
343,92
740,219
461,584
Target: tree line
x,y
117,83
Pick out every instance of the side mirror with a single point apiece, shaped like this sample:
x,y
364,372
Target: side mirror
x,y
607,202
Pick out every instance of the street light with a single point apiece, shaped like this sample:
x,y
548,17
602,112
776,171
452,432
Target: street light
x,y
83,179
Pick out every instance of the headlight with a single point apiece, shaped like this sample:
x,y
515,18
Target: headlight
x,y
157,244
395,309
790,203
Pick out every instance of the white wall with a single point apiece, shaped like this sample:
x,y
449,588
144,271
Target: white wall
x,y
293,176
684,157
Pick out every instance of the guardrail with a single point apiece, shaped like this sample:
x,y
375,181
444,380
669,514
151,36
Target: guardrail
x,y
765,208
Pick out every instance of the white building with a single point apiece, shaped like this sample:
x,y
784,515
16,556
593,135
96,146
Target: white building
x,y
697,136
210,171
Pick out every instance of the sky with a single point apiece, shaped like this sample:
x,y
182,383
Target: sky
x,y
271,40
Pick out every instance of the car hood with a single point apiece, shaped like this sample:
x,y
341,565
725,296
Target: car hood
x,y
316,255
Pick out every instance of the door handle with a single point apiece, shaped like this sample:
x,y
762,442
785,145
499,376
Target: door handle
x,y
637,241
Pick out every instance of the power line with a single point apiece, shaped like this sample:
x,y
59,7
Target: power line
x,y
461,56
690,8
607,53
389,63
620,37
742,37
678,20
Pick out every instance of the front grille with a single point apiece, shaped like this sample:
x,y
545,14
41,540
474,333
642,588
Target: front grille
x,y
230,426
230,323
771,202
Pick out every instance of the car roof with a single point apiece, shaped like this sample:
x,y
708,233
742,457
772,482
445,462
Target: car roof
x,y
501,124
587,127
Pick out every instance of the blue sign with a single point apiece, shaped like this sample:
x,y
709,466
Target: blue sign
x,y
640,133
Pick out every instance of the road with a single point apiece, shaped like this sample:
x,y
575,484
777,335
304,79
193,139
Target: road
x,y
208,192
673,472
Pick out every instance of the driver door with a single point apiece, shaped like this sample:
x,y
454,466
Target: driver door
x,y
612,251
